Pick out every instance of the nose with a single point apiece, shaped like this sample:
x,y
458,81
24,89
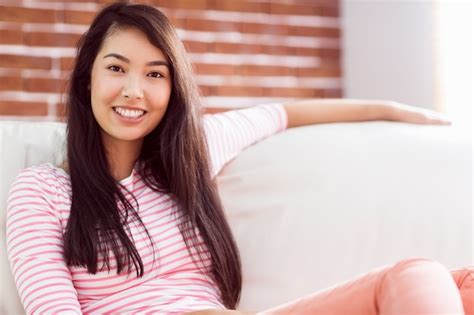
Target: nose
x,y
132,88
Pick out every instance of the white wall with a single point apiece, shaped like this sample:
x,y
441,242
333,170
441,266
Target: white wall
x,y
388,50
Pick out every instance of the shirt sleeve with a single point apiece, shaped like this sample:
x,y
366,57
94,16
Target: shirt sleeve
x,y
35,247
229,133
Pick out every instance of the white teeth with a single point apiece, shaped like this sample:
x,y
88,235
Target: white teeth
x,y
129,113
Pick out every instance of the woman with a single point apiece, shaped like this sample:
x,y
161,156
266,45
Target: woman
x,y
132,221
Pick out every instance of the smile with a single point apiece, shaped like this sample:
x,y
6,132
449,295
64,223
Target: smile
x,y
129,113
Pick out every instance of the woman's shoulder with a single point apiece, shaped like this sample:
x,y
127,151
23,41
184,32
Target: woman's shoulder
x,y
44,188
46,174
46,170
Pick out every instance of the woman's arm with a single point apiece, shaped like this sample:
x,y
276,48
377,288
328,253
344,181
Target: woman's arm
x,y
35,248
317,111
229,133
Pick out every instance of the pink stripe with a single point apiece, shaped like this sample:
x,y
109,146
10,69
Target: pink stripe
x,y
62,307
29,275
61,310
156,240
24,233
82,289
150,254
113,267
14,211
48,287
28,204
148,202
119,299
41,192
11,226
158,308
42,253
70,296
16,265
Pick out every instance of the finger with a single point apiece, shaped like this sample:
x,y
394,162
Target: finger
x,y
441,121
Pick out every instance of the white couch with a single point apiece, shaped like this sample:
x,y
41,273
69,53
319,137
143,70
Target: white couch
x,y
313,206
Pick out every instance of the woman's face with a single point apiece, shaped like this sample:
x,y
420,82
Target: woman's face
x,y
130,87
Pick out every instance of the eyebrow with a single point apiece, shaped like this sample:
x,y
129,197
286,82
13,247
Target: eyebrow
x,y
151,63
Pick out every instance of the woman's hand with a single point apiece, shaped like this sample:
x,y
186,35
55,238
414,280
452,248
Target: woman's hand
x,y
415,115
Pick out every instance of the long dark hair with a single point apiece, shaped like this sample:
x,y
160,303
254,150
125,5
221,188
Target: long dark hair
x,y
174,160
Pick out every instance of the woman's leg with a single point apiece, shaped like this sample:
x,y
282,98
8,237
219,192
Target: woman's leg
x,y
411,286
464,278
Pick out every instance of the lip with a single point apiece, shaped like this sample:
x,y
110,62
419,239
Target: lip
x,y
129,120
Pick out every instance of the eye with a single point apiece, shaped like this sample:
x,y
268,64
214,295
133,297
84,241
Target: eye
x,y
155,74
115,68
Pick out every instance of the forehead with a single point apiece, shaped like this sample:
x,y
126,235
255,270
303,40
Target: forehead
x,y
132,43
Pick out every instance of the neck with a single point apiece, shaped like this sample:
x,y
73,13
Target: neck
x,y
122,156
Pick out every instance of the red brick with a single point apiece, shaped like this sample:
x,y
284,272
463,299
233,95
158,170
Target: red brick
x,y
315,31
226,90
61,1
268,70
182,4
205,90
292,92
242,6
158,3
11,37
322,3
16,61
330,63
214,110
332,93
29,15
216,69
328,11
318,72
51,39
43,85
196,47
319,52
205,25
177,22
278,50
188,4
17,108
303,9
67,63
305,51
60,110
10,83
232,48
78,17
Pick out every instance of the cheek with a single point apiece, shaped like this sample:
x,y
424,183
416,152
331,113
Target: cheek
x,y
160,99
102,94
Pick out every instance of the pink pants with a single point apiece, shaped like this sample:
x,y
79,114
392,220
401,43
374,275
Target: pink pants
x,y
411,286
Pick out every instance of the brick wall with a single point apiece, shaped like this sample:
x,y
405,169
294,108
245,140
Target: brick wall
x,y
244,52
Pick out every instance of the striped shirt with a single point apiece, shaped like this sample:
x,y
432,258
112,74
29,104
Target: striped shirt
x,y
38,208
